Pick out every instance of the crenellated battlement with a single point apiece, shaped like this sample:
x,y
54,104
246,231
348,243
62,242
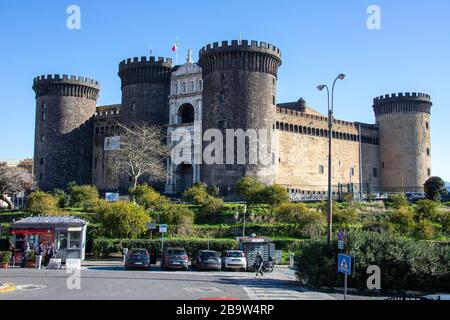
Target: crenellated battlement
x,y
395,97
145,70
251,56
404,102
145,61
57,78
241,45
65,85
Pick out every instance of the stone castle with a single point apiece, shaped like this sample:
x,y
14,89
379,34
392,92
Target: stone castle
x,y
233,86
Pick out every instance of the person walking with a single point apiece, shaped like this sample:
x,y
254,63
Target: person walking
x,y
259,262
39,252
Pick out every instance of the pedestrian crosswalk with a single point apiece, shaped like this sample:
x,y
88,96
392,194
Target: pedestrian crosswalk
x,y
268,289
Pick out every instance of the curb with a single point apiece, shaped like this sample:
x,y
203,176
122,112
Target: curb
x,y
7,287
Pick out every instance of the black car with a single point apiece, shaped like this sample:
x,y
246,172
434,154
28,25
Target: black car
x,y
137,259
207,260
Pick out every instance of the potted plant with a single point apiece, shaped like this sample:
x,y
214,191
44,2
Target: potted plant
x,y
5,258
31,259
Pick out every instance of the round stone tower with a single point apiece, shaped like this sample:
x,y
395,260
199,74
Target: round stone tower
x,y
65,107
404,134
239,92
145,90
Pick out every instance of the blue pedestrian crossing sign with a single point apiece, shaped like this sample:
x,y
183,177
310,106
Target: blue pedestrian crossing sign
x,y
345,264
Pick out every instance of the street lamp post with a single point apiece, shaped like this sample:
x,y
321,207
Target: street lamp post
x,y
330,138
236,217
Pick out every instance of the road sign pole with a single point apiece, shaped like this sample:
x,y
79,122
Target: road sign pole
x,y
162,243
345,287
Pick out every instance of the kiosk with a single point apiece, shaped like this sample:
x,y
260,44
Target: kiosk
x,y
68,234
251,245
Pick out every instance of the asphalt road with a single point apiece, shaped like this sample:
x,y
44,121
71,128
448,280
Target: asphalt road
x,y
114,283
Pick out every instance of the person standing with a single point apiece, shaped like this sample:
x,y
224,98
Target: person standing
x,y
39,252
12,248
49,254
259,262
26,250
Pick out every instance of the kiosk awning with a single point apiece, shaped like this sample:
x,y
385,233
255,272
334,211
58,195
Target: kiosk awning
x,y
31,231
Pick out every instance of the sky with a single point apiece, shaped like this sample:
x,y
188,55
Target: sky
x,y
318,39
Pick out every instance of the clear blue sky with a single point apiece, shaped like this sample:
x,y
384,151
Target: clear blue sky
x,y
318,39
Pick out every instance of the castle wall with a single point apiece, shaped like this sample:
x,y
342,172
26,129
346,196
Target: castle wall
x,y
302,152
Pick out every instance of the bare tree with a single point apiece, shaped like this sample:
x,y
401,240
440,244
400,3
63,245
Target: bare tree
x,y
12,181
142,153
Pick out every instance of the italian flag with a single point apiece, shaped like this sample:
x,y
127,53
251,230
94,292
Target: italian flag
x,y
175,47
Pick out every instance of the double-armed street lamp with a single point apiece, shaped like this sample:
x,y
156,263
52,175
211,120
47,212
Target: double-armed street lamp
x,y
330,138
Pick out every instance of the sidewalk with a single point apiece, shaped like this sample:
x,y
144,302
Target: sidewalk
x,y
112,262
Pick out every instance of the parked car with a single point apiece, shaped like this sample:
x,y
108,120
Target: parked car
x,y
175,258
137,258
207,260
234,259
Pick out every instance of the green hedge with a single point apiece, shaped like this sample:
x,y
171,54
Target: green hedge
x,y
232,231
105,247
405,264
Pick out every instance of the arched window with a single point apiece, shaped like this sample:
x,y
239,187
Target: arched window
x,y
278,125
183,87
200,85
191,86
309,130
296,128
175,88
186,113
291,128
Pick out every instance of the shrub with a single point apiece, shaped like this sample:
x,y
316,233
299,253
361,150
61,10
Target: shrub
x,y
179,217
274,195
213,190
398,200
378,226
42,203
434,187
426,209
255,192
300,217
121,219
403,220
424,230
82,196
103,248
248,188
61,197
404,264
5,256
148,197
198,195
342,218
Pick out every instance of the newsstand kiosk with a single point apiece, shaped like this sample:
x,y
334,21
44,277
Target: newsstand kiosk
x,y
67,234
251,245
